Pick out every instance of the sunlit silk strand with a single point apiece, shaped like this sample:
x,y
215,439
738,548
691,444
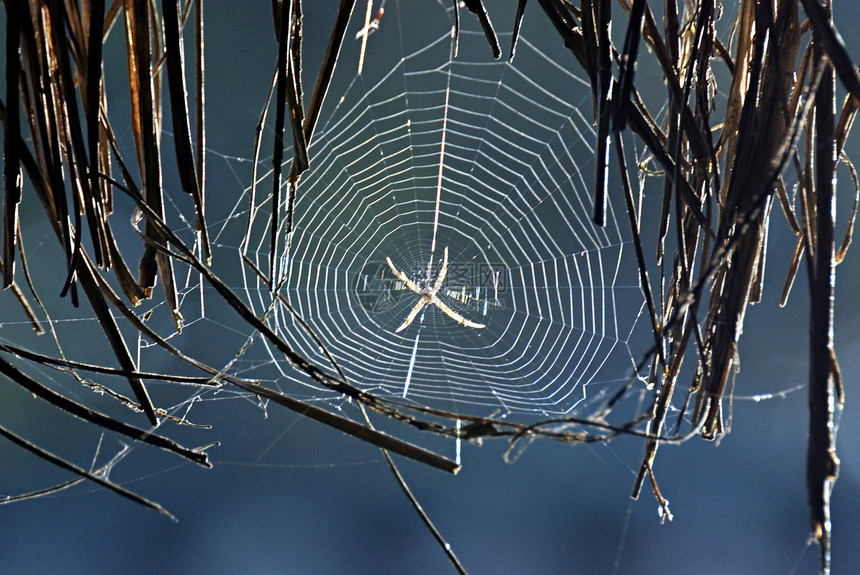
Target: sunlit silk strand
x,y
442,147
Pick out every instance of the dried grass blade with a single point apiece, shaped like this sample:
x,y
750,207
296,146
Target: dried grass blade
x,y
111,17
104,165
846,119
656,143
477,8
114,336
62,463
295,96
629,56
78,163
175,57
822,464
603,89
39,358
324,76
831,42
42,492
125,278
200,112
255,163
787,209
297,114
444,545
25,268
852,219
97,418
75,24
589,22
150,334
757,279
282,75
48,99
302,137
357,430
94,96
130,287
12,164
645,283
365,34
101,472
740,77
314,107
140,88
792,271
518,22
25,305
146,107
559,14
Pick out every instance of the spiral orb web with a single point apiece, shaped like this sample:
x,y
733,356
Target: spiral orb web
x,y
426,151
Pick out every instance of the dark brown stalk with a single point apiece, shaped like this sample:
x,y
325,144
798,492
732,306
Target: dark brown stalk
x,y
282,73
295,97
87,414
477,8
200,107
63,464
603,19
185,161
93,96
146,125
11,154
825,394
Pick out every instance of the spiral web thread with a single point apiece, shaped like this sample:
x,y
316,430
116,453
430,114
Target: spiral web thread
x,y
426,152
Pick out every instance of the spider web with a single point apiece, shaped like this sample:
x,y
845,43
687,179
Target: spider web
x,y
424,151
428,150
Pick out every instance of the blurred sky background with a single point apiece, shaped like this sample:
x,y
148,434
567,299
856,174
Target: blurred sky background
x,y
288,495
